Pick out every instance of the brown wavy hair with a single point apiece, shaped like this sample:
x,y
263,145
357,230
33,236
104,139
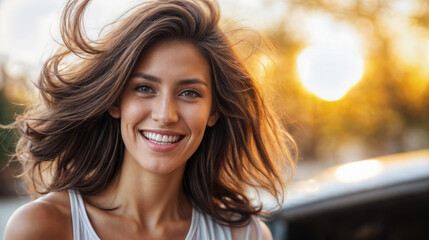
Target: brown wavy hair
x,y
69,141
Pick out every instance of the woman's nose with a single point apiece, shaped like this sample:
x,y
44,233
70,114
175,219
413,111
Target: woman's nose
x,y
165,110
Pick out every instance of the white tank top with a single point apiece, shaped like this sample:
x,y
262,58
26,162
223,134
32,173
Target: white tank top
x,y
202,225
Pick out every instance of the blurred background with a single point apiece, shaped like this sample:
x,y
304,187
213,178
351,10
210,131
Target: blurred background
x,y
349,77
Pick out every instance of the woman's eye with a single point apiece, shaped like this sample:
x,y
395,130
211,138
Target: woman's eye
x,y
190,94
145,89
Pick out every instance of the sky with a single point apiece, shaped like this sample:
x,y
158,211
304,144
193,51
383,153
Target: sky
x,y
28,27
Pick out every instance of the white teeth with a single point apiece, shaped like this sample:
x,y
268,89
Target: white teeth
x,y
160,139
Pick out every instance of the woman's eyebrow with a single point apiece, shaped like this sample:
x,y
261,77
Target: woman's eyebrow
x,y
179,82
191,81
146,76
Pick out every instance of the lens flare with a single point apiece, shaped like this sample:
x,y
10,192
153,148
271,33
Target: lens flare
x,y
329,71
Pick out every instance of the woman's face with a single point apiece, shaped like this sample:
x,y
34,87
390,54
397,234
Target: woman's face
x,y
166,107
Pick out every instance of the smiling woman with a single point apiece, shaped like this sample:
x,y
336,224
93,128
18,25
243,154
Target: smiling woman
x,y
156,131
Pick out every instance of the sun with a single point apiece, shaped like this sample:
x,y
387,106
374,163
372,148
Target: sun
x,y
329,71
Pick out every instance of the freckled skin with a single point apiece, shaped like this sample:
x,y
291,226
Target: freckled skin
x,y
166,103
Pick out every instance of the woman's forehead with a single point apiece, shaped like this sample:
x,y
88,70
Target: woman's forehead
x,y
174,59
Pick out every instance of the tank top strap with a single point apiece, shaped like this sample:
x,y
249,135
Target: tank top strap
x,y
82,228
203,226
74,208
254,221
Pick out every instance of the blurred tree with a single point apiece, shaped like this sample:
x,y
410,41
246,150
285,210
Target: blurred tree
x,y
388,110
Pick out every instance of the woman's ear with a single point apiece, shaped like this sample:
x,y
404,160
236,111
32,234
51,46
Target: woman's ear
x,y
213,119
114,111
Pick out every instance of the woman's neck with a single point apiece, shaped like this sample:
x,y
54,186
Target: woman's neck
x,y
146,197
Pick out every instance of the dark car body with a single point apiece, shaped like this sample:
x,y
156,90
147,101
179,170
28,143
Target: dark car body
x,y
379,198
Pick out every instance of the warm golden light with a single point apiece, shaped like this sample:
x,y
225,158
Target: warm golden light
x,y
358,171
329,71
264,67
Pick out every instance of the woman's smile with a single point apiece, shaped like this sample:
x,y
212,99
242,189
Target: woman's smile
x,y
161,141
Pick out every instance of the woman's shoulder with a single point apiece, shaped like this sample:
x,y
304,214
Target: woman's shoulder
x,y
253,230
48,217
